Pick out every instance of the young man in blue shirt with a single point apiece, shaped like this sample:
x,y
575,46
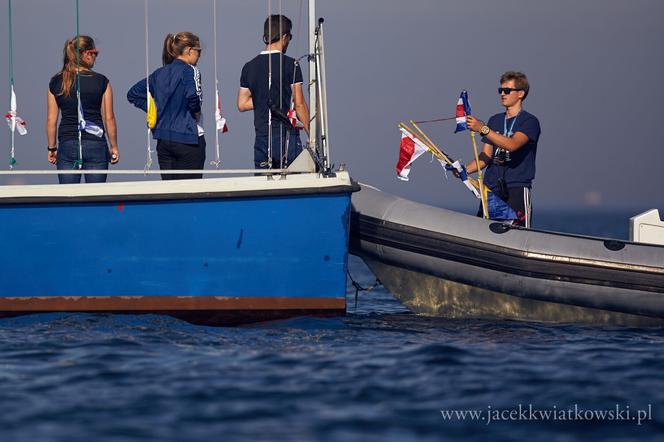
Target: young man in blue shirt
x,y
510,147
267,84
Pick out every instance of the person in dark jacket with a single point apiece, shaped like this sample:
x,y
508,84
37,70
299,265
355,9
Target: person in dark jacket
x,y
93,152
176,90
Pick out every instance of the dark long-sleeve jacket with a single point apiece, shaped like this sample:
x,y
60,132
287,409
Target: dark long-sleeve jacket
x,y
176,90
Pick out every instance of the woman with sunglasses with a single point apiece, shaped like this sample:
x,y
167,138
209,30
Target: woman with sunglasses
x,y
176,90
96,102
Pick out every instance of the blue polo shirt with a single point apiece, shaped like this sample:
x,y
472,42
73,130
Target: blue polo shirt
x,y
516,168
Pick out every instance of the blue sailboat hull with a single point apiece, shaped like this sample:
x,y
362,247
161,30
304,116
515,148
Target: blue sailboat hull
x,y
250,258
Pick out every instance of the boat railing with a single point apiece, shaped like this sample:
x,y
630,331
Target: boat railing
x,y
267,172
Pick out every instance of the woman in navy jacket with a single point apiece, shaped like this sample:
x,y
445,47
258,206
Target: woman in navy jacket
x,y
176,90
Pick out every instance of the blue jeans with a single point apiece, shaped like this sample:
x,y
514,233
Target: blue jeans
x,y
287,145
95,157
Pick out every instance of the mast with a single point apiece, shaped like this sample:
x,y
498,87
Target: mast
x,y
312,73
318,131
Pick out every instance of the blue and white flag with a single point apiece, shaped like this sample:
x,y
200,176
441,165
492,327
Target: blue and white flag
x,y
463,175
86,125
498,209
462,111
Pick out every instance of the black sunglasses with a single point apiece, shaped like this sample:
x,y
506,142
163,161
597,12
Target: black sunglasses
x,y
507,90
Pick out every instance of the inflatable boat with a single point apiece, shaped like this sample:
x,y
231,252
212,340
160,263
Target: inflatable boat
x,y
444,263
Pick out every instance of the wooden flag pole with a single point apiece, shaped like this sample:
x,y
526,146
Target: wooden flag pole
x,y
420,135
485,210
423,135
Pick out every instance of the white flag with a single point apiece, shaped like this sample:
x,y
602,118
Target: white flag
x,y
13,121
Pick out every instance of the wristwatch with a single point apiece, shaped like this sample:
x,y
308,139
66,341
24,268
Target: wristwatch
x,y
52,149
485,130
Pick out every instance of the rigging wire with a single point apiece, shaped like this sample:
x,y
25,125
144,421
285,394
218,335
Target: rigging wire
x,y
217,105
12,122
269,84
79,162
148,161
281,91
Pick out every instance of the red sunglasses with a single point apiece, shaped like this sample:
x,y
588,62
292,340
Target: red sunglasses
x,y
90,51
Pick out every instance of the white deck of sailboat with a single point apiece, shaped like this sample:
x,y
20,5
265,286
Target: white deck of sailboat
x,y
224,185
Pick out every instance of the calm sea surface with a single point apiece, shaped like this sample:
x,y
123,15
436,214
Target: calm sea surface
x,y
378,374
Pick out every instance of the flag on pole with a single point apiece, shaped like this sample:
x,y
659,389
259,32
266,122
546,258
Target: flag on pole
x,y
15,122
463,175
411,148
221,121
462,111
86,125
292,117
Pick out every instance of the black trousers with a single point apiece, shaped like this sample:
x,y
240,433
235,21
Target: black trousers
x,y
173,156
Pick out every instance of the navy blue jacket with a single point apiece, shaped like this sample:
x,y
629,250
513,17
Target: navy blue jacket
x,y
176,90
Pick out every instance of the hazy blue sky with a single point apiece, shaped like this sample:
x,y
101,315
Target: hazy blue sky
x,y
595,68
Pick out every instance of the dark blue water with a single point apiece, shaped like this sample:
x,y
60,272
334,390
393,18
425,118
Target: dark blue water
x,y
378,374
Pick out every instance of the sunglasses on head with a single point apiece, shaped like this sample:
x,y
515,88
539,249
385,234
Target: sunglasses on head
x,y
507,90
90,51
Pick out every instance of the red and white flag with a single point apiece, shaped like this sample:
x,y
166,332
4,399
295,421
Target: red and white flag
x,y
410,150
221,121
292,117
14,121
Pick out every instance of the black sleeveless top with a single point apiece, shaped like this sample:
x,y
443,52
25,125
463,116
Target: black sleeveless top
x,y
93,86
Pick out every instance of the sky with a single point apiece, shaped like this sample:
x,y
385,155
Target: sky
x,y
595,67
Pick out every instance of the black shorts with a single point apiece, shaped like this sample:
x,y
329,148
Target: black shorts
x,y
518,199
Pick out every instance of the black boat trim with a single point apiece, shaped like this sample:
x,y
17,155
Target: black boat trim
x,y
498,258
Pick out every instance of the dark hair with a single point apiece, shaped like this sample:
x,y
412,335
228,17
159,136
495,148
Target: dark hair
x,y
70,62
275,27
520,81
175,45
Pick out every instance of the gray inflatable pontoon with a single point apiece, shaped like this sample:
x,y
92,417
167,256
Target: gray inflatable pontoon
x,y
444,263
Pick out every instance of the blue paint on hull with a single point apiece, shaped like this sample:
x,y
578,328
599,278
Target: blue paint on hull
x,y
284,246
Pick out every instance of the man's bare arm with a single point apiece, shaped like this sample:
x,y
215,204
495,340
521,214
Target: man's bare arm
x,y
245,101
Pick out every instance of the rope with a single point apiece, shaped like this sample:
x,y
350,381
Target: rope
x,y
11,48
12,134
79,161
269,85
295,66
148,159
435,121
359,288
281,92
217,160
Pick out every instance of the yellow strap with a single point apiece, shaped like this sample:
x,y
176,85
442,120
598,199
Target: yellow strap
x,y
151,116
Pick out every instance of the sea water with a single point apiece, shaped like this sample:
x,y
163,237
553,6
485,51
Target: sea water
x,y
380,373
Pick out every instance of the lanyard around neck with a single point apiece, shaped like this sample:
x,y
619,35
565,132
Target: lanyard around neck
x,y
505,132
